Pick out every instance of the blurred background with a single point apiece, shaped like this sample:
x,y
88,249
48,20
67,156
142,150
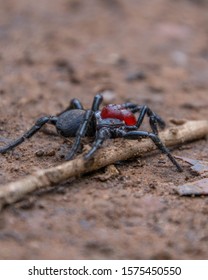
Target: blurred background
x,y
148,52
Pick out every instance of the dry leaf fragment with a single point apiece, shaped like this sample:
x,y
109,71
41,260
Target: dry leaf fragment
x,y
198,166
195,188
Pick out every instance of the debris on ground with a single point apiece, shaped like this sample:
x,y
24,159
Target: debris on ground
x,y
196,188
198,166
110,172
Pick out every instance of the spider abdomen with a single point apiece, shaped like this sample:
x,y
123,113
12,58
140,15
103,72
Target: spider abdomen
x,y
69,122
118,112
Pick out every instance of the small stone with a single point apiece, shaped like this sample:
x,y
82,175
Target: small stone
x,y
50,153
39,153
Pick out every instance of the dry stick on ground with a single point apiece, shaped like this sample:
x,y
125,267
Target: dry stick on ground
x,y
121,150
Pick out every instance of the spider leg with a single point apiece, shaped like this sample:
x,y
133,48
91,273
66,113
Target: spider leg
x,y
154,119
80,134
96,102
143,134
84,126
74,104
35,128
102,135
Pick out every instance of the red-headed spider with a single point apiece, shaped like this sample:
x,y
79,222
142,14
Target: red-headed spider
x,y
112,121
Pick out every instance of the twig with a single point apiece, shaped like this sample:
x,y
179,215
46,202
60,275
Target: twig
x,y
121,150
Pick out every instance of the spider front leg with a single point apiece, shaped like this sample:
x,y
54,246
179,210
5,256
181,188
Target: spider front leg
x,y
102,135
154,119
88,116
80,134
143,134
97,102
28,134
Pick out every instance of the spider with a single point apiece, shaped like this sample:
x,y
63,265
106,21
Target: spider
x,y
112,121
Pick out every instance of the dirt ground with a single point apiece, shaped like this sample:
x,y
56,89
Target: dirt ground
x,y
148,52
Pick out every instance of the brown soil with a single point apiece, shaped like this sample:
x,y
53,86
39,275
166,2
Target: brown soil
x,y
52,51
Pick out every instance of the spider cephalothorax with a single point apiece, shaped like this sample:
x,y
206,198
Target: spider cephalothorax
x,y
112,121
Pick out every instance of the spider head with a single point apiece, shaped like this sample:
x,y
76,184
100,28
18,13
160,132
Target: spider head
x,y
118,112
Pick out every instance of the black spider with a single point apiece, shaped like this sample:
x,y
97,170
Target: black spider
x,y
113,121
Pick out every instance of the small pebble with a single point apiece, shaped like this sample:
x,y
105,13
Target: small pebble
x,y
50,153
39,153
136,76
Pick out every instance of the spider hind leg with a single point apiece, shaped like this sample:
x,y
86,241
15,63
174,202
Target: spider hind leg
x,y
28,134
